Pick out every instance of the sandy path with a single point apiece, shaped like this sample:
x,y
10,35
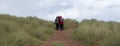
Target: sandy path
x,y
61,36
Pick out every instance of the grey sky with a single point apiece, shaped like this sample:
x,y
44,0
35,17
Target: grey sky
x,y
107,10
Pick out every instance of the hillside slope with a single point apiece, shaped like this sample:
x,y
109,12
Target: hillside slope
x,y
98,33
23,31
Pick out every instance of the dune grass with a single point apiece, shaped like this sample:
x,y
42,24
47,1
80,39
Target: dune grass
x,y
97,33
70,23
24,31
58,44
30,31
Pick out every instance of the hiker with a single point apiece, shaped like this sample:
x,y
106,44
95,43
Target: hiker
x,y
61,23
57,22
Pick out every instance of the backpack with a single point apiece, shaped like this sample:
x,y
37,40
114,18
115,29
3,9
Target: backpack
x,y
61,21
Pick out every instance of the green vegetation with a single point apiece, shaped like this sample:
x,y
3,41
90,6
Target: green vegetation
x,y
23,31
58,44
31,31
70,23
98,33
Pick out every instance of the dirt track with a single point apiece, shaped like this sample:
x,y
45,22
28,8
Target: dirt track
x,y
61,36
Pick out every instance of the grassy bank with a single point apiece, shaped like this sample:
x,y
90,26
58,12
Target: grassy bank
x,y
98,33
70,23
23,31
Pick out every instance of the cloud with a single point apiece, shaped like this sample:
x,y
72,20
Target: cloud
x,y
63,3
107,10
67,13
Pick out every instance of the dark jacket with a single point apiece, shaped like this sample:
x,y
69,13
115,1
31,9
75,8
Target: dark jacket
x,y
56,20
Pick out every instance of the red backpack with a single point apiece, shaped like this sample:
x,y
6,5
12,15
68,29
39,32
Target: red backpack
x,y
61,20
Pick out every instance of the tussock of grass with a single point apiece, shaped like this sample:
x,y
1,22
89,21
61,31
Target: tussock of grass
x,y
58,44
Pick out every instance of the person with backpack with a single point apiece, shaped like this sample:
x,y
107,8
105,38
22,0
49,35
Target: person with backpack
x,y
61,23
57,22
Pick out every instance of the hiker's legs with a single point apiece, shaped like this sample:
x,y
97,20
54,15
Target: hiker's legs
x,y
61,26
57,26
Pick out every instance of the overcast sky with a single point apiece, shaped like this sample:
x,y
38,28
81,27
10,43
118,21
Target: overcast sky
x,y
107,10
